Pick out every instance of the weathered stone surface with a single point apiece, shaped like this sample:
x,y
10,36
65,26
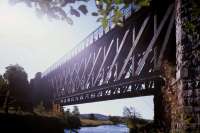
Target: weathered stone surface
x,y
188,58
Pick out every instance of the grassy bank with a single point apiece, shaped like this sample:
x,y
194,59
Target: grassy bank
x,y
93,123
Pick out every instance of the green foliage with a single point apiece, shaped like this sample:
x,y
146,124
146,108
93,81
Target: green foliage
x,y
104,22
190,25
106,7
143,2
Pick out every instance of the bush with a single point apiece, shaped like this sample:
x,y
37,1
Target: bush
x,y
73,122
115,119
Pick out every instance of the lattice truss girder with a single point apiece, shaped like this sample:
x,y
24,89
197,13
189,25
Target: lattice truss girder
x,y
116,61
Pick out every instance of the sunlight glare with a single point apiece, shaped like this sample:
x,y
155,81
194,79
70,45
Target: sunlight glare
x,y
22,32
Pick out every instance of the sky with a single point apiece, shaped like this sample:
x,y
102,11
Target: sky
x,y
36,43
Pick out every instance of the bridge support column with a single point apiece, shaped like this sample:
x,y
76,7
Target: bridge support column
x,y
158,110
166,105
188,61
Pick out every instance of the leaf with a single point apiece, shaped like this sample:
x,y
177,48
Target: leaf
x,y
94,14
118,2
104,22
118,14
128,1
69,20
65,2
99,4
74,12
99,19
143,2
83,9
58,10
83,0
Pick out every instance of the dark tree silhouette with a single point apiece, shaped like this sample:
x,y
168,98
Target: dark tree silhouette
x,y
92,117
3,93
41,92
132,118
18,86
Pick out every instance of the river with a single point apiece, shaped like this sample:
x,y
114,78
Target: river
x,y
104,129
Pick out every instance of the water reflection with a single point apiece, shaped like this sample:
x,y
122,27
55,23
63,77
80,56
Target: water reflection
x,y
103,129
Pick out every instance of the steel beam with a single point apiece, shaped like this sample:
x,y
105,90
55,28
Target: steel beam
x,y
164,45
151,44
133,46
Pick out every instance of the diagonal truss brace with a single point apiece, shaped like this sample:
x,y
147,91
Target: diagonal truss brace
x,y
104,60
164,45
133,47
93,65
117,54
150,46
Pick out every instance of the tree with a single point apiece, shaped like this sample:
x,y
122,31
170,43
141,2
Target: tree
x,y
60,9
3,93
76,111
130,112
73,121
67,113
92,117
132,118
18,85
40,91
3,86
115,119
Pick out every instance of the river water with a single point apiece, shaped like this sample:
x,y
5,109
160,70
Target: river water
x,y
104,129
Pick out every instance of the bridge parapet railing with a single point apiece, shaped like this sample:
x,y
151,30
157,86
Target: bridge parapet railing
x,y
91,38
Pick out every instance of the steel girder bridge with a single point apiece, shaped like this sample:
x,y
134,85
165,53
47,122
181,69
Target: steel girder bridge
x,y
115,62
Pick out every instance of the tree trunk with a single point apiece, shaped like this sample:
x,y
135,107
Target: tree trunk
x,y
5,105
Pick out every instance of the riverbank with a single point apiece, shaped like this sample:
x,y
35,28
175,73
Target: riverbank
x,y
94,123
11,123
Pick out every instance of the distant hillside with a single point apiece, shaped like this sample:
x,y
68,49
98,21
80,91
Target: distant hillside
x,y
97,116
105,118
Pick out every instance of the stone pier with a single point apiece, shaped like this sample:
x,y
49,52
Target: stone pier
x,y
188,61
